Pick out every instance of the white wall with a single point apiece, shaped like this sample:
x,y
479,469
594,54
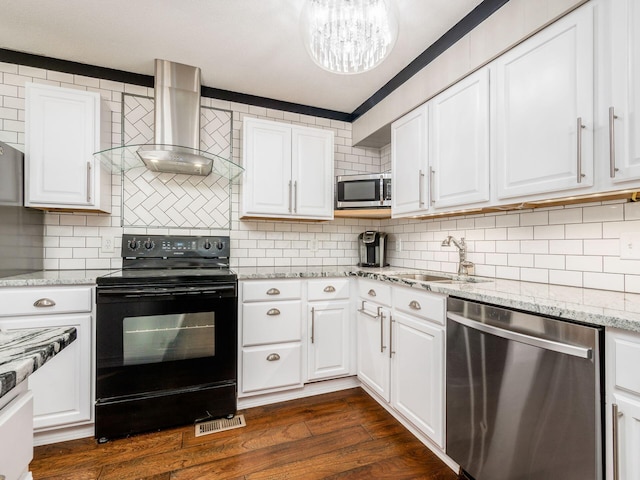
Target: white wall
x,y
573,245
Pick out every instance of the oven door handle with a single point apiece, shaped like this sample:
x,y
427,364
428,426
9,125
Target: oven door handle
x,y
166,292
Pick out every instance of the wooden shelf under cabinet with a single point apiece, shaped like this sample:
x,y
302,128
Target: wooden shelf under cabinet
x,y
363,213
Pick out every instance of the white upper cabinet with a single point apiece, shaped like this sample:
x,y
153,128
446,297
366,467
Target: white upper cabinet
x,y
544,119
624,124
459,143
63,130
288,171
410,164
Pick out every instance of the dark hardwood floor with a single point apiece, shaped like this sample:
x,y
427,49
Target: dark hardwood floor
x,y
333,436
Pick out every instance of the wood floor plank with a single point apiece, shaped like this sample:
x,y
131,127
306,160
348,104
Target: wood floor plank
x,y
335,436
215,449
275,457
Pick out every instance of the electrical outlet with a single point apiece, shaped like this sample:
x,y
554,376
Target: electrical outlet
x,y
107,244
313,244
630,246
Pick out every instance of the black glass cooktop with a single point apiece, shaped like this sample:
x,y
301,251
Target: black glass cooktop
x,y
167,276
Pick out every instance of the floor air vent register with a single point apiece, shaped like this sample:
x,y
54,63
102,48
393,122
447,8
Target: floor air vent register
x,y
219,425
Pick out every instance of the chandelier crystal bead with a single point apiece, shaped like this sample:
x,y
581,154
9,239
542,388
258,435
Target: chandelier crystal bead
x,y
348,36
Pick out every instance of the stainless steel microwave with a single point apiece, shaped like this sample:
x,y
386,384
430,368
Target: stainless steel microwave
x,y
363,191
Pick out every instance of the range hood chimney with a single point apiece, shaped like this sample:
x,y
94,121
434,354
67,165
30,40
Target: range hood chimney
x,y
177,122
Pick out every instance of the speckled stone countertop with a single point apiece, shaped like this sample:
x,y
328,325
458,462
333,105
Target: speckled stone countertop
x,y
22,352
596,307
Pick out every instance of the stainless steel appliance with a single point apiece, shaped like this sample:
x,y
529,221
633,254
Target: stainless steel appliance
x,y
166,335
363,191
372,249
21,228
524,395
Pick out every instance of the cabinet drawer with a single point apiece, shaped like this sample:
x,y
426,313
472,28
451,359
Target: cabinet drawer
x,y
271,366
328,289
16,436
261,290
22,301
430,306
271,322
375,291
626,358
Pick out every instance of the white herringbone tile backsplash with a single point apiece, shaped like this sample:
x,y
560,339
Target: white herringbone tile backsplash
x,y
573,245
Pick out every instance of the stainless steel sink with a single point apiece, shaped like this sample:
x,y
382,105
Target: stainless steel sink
x,y
423,277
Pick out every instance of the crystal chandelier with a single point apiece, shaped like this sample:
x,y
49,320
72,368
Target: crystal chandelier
x,y
348,36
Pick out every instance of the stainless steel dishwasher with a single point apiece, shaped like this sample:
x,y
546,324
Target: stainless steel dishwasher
x,y
524,399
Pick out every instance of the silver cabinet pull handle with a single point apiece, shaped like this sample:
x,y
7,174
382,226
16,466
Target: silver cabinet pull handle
x,y
273,312
420,182
414,305
391,322
615,414
371,293
381,315
365,312
432,177
579,126
89,182
273,357
329,289
290,193
295,197
612,143
44,302
313,324
273,291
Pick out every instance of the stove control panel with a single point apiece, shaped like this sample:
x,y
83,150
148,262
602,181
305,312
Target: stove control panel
x,y
161,246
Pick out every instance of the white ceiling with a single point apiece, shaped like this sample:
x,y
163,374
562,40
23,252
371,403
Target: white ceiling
x,y
247,46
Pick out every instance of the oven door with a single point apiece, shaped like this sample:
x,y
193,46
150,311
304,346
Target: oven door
x,y
152,340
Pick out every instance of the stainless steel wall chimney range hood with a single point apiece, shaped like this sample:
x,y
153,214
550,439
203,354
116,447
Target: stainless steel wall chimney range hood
x,y
176,147
177,122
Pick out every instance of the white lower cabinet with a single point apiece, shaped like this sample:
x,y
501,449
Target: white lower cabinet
x,y
623,404
63,387
417,385
16,434
328,329
270,336
401,354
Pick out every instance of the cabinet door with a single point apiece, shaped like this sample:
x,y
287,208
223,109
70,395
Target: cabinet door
x,y
409,164
628,436
267,187
418,374
544,90
312,172
373,351
62,386
328,330
62,132
459,143
626,92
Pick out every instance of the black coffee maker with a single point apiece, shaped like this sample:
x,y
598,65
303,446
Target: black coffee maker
x,y
372,249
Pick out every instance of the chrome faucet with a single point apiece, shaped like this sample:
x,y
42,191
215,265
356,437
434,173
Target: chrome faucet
x,y
465,267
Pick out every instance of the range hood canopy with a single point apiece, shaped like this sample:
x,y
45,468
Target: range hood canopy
x,y
176,129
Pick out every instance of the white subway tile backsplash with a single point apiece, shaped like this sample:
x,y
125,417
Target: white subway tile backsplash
x,y
555,262
534,246
583,230
565,277
549,232
520,233
603,281
583,263
603,213
565,215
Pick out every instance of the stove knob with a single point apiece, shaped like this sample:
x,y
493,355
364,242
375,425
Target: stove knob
x,y
207,245
133,244
149,244
219,245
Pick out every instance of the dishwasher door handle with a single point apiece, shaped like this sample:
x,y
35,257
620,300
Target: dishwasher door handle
x,y
559,347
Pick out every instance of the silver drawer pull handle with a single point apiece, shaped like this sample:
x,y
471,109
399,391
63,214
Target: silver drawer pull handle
x,y
414,305
273,357
329,289
273,312
44,302
371,293
273,291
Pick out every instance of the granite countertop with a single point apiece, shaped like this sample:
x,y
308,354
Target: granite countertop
x,y
22,352
596,307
